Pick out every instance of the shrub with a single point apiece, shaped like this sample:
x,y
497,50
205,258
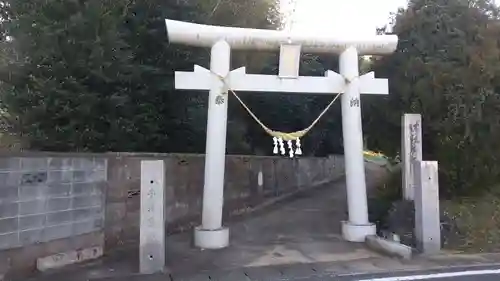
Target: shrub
x,y
382,197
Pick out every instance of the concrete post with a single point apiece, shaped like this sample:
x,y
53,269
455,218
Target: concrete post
x,y
358,226
427,214
211,234
152,223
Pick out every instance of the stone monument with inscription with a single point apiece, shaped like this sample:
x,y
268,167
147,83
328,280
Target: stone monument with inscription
x,y
411,146
219,79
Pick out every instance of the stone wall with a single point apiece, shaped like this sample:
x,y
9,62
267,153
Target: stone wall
x,y
52,203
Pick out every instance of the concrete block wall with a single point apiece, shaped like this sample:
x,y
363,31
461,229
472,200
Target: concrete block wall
x,y
45,199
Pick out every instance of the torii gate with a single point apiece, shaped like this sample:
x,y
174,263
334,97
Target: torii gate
x,y
211,234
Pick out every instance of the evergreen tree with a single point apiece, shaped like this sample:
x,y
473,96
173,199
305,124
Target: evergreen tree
x,y
446,68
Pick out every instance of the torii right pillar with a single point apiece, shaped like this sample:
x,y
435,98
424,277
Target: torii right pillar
x,y
358,226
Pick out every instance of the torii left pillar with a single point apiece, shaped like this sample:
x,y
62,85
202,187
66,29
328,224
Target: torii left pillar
x,y
211,234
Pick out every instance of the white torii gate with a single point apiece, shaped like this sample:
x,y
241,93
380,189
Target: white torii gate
x,y
211,234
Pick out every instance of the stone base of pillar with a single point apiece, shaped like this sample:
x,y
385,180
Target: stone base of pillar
x,y
211,239
357,232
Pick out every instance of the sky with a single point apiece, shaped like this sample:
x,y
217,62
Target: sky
x,y
354,17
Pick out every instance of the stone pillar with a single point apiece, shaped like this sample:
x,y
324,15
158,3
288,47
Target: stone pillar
x,y
427,214
152,224
211,234
358,226
411,151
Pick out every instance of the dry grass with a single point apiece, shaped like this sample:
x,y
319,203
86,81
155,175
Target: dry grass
x,y
477,221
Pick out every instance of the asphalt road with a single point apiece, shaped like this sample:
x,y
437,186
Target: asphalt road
x,y
472,273
456,274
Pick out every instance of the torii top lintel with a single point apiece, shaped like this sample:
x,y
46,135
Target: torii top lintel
x,y
200,35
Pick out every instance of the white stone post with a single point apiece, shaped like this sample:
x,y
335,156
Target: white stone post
x,y
411,151
211,234
427,214
358,226
152,222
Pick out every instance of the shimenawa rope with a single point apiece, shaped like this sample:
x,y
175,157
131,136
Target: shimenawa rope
x,y
283,135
